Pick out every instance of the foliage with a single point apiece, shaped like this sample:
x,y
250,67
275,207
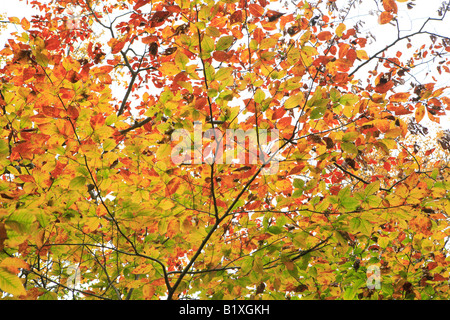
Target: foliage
x,y
88,180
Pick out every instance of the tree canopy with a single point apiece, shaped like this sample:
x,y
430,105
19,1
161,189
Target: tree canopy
x,y
93,204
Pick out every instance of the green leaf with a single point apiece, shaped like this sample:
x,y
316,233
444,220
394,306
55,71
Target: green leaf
x,y
298,183
318,112
224,43
349,147
181,59
350,136
77,183
348,99
372,188
335,95
209,72
349,203
4,147
207,44
259,96
48,296
223,73
361,225
275,229
11,283
21,220
111,119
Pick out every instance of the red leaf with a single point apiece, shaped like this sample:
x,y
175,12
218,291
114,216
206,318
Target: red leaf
x,y
221,56
385,87
278,113
97,121
173,9
3,235
438,277
263,3
256,10
26,178
399,97
140,3
172,186
116,46
149,39
158,18
52,44
55,173
432,265
72,112
200,103
236,17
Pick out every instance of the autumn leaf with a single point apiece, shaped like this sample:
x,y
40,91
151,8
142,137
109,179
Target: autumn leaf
x,y
420,112
114,123
256,9
10,283
390,6
385,17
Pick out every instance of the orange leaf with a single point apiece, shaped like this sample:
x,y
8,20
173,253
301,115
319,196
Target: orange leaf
x,y
324,36
149,39
385,17
148,291
256,10
97,121
420,112
399,97
172,186
390,6
116,46
13,264
25,24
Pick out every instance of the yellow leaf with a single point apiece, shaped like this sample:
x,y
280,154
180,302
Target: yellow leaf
x,y
11,283
340,29
13,264
169,68
294,101
14,20
362,54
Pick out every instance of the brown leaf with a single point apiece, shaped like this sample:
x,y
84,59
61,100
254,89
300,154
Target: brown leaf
x,y
236,17
273,15
3,235
260,288
153,49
